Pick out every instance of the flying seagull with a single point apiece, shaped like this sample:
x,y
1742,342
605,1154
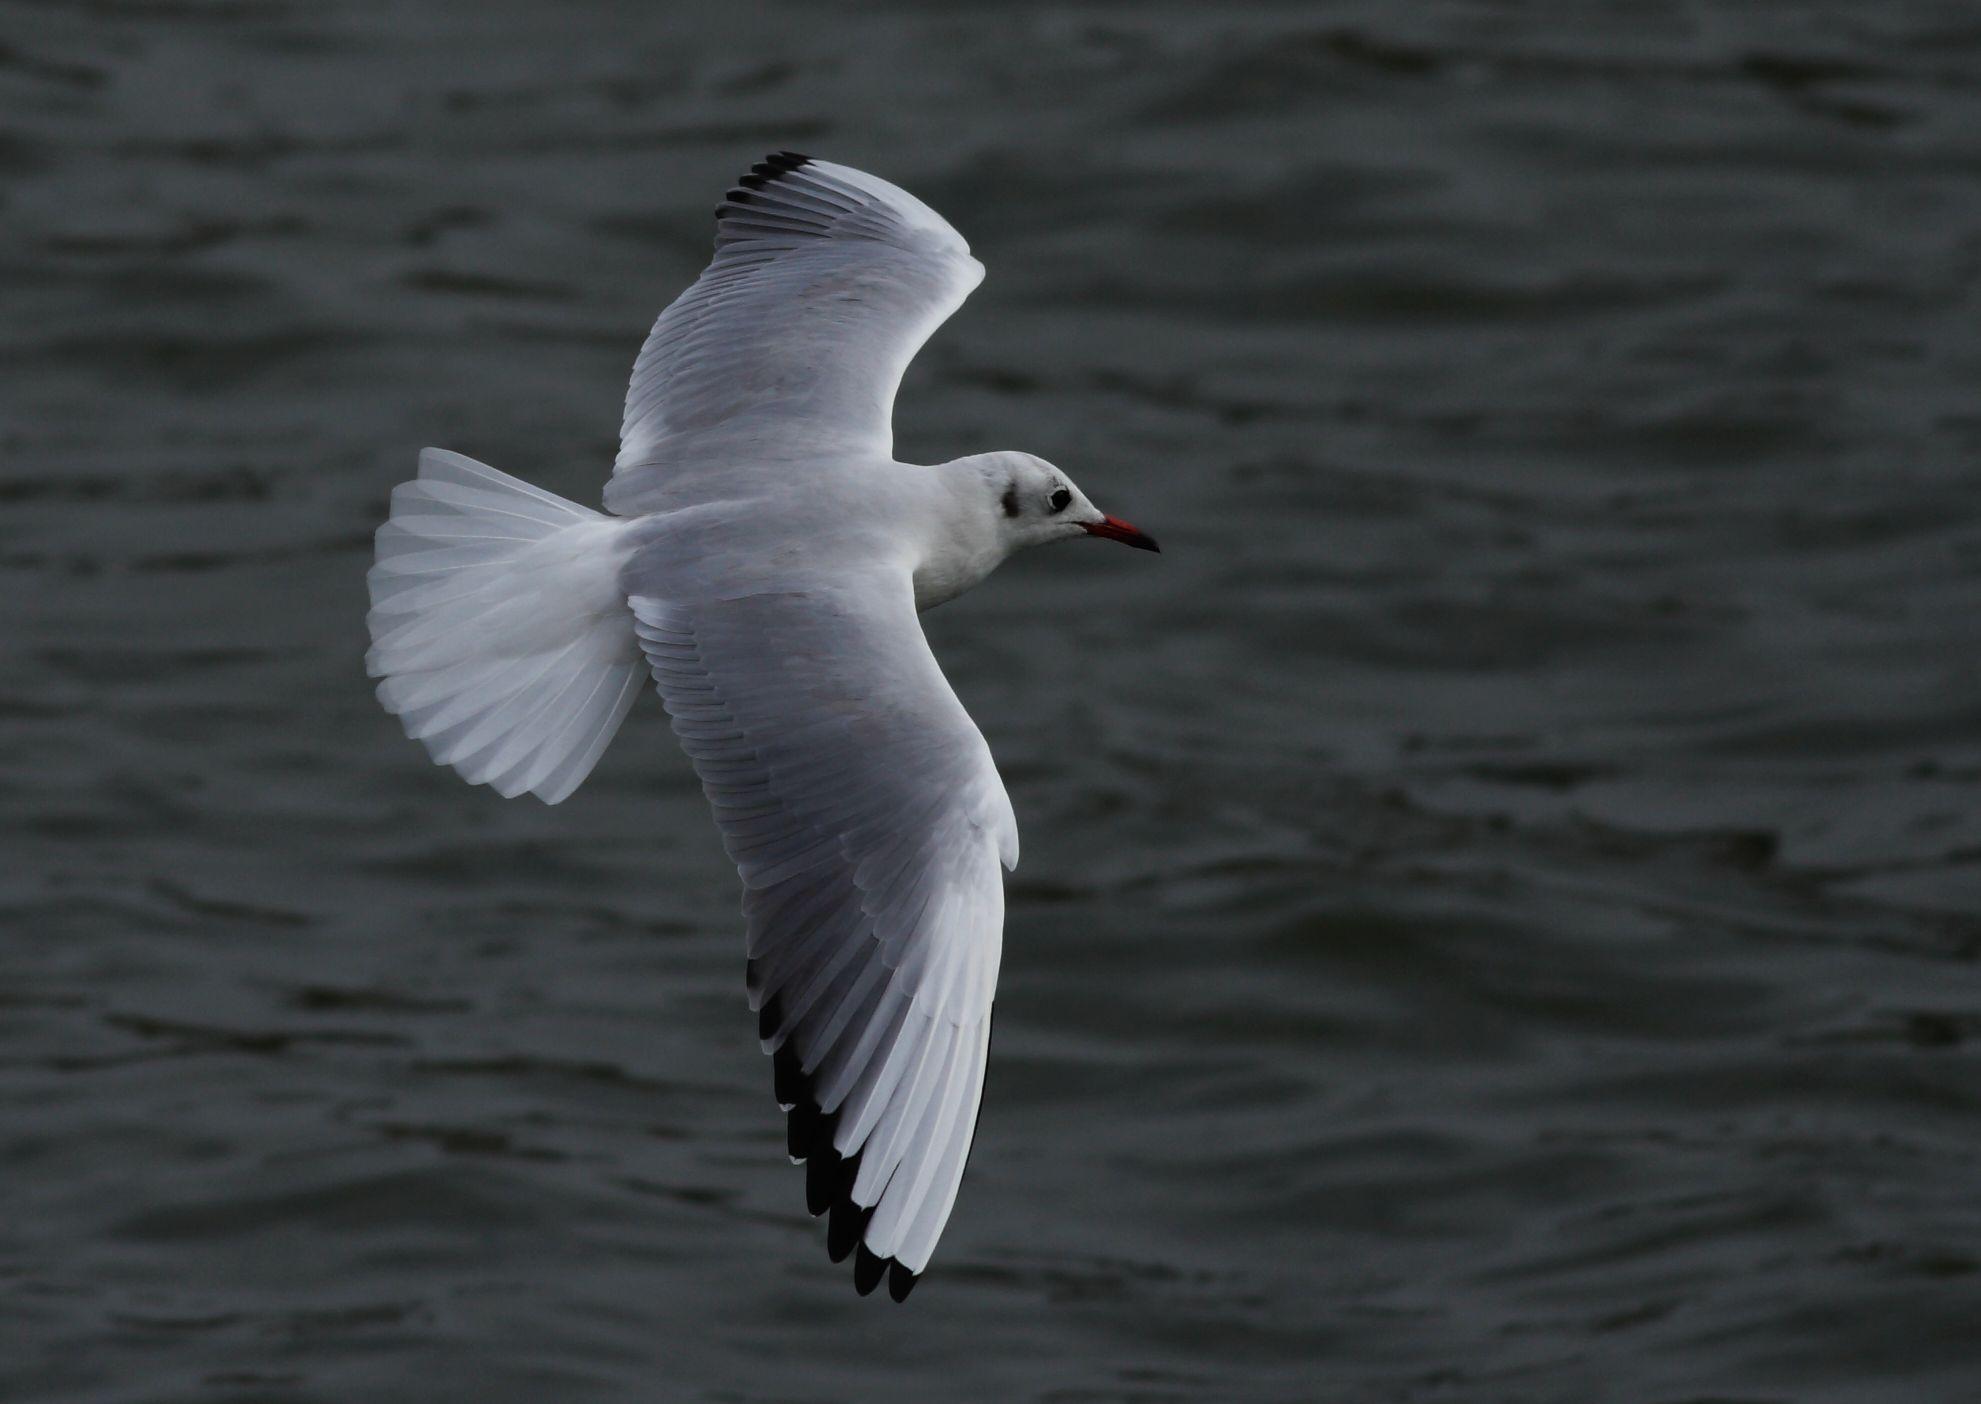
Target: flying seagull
x,y
763,557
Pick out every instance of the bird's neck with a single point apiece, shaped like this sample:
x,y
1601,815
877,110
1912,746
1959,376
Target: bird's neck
x,y
962,535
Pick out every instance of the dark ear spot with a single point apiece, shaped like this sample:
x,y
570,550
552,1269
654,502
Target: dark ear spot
x,y
1010,500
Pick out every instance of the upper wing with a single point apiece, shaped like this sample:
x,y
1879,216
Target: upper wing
x,y
824,284
860,804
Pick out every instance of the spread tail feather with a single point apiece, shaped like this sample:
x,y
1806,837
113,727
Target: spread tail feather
x,y
498,631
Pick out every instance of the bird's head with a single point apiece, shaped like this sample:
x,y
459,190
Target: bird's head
x,y
1036,503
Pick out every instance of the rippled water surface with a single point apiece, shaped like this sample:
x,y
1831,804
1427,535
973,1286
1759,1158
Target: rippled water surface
x,y
1498,910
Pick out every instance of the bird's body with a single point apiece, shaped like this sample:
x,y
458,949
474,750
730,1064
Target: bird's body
x,y
840,512
763,562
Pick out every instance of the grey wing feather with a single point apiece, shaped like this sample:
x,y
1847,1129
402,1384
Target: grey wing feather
x,y
824,284
860,804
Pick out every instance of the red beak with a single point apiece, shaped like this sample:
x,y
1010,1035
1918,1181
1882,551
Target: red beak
x,y
1114,529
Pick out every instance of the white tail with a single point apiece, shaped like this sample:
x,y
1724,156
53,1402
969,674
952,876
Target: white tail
x,y
498,628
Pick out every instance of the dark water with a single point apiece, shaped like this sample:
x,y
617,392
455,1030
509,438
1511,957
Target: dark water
x,y
1498,910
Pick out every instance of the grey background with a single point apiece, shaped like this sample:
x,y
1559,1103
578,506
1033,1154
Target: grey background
x,y
1497,914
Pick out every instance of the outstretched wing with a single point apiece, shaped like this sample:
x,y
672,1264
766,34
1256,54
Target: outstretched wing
x,y
861,806
825,283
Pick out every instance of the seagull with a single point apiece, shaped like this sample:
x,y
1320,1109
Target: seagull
x,y
763,557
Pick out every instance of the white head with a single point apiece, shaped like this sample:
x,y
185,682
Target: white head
x,y
1035,503
993,504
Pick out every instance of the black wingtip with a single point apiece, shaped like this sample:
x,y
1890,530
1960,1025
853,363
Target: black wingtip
x,y
810,1133
801,1128
778,163
787,1076
828,1176
867,1271
843,1229
767,170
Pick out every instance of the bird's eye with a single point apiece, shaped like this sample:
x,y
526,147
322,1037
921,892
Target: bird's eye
x,y
1060,497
